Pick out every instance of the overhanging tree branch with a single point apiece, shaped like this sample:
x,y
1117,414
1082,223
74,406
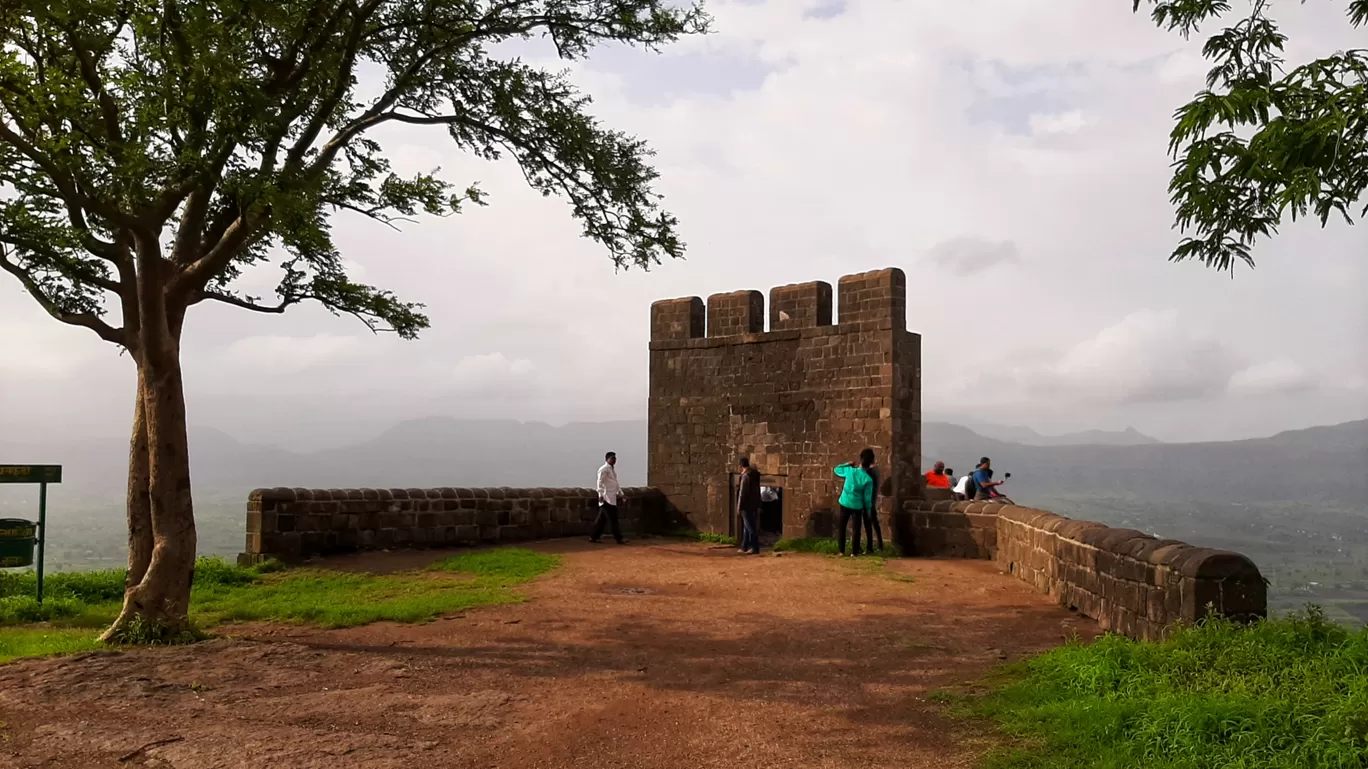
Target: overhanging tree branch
x,y
87,320
1263,141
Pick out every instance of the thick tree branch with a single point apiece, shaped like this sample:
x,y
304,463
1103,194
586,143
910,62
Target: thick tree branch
x,y
238,235
190,229
82,319
370,321
324,112
248,304
108,109
105,284
65,183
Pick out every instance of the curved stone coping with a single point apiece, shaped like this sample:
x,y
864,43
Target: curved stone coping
x,y
1187,560
282,494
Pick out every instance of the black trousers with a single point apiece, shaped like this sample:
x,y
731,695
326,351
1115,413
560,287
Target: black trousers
x,y
849,516
607,516
872,528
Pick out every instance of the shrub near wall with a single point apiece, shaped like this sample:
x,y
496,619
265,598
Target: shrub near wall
x,y
1130,582
293,523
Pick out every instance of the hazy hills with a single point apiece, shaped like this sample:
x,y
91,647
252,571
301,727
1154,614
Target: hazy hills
x,y
437,451
1321,464
1025,435
1318,464
1296,502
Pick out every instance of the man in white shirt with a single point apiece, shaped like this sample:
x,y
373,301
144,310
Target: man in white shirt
x,y
610,496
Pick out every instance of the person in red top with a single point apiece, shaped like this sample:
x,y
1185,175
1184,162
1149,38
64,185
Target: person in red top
x,y
936,477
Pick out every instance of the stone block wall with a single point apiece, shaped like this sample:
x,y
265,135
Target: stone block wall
x,y
1130,582
295,523
797,399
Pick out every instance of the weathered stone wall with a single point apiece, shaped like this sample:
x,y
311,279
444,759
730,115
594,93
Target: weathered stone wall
x,y
295,523
797,399
1130,582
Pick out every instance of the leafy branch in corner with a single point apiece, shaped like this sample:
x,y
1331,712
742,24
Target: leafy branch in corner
x,y
1263,141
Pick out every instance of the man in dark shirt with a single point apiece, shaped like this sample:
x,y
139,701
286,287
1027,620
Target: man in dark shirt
x,y
748,505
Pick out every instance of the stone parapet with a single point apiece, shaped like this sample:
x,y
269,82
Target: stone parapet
x,y
290,524
1130,582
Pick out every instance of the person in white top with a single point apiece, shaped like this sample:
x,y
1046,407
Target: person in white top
x,y
610,496
962,487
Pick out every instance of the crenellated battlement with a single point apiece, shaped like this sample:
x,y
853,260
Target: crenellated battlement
x,y
798,399
875,299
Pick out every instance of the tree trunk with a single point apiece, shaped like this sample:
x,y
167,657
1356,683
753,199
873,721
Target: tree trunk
x,y
138,503
157,608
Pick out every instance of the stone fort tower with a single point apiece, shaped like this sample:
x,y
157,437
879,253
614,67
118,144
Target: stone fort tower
x,y
797,399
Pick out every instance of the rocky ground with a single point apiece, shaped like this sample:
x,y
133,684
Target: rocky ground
x,y
654,654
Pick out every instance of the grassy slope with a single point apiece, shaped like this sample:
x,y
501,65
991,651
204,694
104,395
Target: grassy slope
x,y
76,605
1284,694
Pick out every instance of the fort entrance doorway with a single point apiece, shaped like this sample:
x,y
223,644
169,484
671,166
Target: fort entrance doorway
x,y
771,508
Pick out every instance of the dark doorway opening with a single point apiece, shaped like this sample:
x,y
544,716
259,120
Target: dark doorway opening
x,y
771,514
771,509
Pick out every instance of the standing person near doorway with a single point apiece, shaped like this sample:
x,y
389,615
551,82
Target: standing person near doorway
x,y
857,496
748,505
609,496
872,526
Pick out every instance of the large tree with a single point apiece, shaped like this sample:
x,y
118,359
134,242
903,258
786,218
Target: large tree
x,y
1263,141
153,151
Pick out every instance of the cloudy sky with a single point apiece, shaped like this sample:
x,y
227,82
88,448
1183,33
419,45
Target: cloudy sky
x,y
1010,156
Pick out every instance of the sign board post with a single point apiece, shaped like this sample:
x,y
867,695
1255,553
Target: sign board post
x,y
17,537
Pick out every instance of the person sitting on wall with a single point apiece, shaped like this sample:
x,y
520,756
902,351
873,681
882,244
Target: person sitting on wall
x,y
748,500
936,477
983,480
961,490
857,497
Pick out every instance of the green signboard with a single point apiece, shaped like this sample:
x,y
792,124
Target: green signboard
x,y
30,473
18,537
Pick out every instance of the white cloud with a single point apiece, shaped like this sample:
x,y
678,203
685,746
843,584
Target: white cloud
x,y
967,254
488,373
45,350
1275,377
278,355
1070,122
1146,357
865,139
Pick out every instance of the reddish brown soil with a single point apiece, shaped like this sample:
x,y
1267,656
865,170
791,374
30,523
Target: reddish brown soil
x,y
660,655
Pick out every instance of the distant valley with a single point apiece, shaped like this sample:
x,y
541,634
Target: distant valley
x,y
1296,502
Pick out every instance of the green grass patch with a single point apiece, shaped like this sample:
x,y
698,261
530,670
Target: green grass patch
x,y
333,599
511,565
77,606
16,642
703,536
1287,693
829,546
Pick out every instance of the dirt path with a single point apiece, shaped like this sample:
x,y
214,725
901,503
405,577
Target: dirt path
x,y
672,656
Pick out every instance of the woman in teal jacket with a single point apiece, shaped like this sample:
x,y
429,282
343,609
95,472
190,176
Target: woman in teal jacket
x,y
857,499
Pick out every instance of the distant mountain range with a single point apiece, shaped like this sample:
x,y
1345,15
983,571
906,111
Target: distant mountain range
x,y
1296,502
1026,436
437,451
1318,464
